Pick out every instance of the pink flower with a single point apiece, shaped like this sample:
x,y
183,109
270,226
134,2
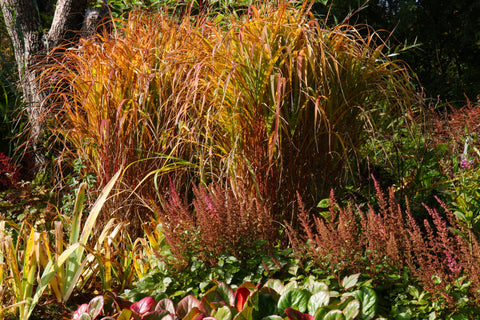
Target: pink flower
x,y
452,263
467,164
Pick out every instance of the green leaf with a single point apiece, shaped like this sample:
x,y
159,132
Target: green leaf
x,y
126,314
334,315
318,300
275,284
459,316
85,316
352,309
223,313
272,317
350,281
368,300
320,313
267,305
226,293
314,286
324,203
245,314
296,299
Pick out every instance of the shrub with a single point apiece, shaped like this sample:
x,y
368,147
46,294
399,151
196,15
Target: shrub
x,y
346,240
219,223
9,173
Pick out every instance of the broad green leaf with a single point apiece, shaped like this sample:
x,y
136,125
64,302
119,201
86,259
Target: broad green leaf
x,y
267,305
245,314
314,286
206,302
223,313
344,302
275,284
320,313
350,281
334,315
324,203
352,309
318,300
368,300
291,285
296,299
226,293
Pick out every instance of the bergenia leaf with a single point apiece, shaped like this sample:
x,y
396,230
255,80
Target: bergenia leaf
x,y
223,313
350,281
334,315
82,309
295,298
352,309
368,300
157,315
95,306
85,316
297,315
241,295
143,306
186,305
165,304
226,293
318,300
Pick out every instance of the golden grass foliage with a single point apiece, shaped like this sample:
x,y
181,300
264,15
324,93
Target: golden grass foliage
x,y
273,103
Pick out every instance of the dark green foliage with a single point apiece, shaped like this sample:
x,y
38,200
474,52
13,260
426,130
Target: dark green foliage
x,y
448,33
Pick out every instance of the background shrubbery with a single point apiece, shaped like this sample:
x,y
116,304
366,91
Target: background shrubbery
x,y
201,143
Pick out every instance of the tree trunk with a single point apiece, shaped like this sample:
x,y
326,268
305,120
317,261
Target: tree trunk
x,y
23,26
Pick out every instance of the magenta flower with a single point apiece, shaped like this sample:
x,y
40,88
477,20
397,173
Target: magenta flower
x,y
467,164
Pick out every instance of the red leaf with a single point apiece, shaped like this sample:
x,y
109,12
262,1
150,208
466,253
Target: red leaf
x,y
143,306
241,295
297,315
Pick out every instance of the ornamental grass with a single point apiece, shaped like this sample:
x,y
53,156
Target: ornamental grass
x,y
270,103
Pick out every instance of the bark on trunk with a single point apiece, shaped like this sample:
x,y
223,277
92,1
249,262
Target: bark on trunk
x,y
22,23
67,21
